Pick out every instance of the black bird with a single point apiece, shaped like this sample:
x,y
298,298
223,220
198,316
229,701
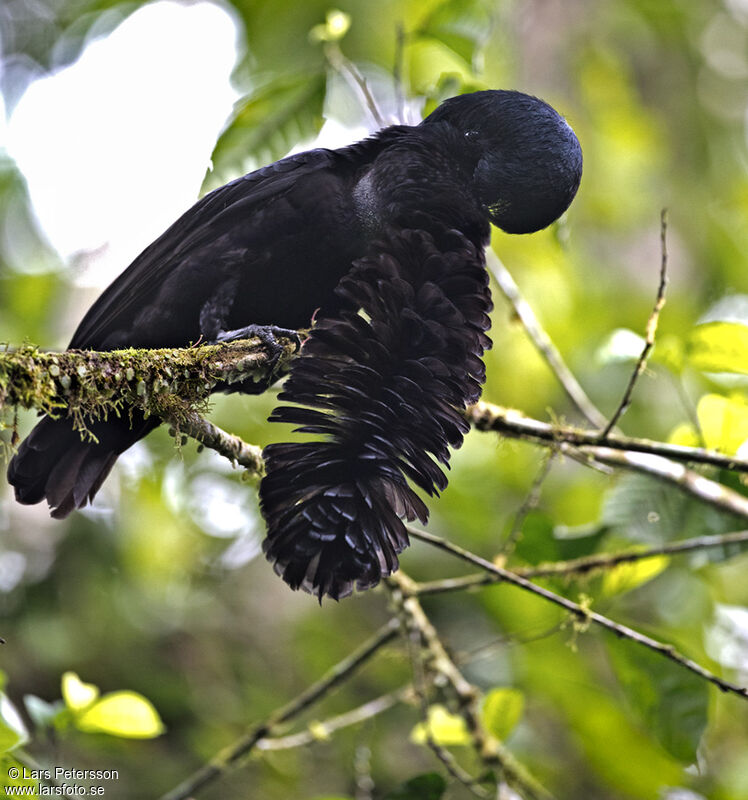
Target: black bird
x,y
382,242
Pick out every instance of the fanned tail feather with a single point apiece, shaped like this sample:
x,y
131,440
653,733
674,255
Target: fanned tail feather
x,y
383,383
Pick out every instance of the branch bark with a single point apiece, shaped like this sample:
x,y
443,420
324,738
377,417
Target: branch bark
x,y
86,385
514,424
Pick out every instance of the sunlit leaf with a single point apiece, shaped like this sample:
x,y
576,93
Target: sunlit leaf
x,y
502,710
13,732
429,786
671,702
445,728
127,714
723,422
76,694
623,345
685,435
627,576
266,125
719,347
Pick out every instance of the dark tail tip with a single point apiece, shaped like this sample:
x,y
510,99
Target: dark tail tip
x,y
56,464
338,532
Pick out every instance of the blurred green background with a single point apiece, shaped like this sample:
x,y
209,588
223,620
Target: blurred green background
x,y
161,587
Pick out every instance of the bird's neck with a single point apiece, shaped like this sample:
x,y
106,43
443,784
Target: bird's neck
x,y
412,180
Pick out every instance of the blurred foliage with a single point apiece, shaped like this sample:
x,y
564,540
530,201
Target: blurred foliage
x,y
160,587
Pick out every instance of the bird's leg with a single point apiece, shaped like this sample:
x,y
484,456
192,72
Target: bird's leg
x,y
267,334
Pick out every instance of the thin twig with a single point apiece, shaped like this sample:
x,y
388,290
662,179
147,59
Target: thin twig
x,y
322,730
542,341
649,340
585,564
226,444
334,676
397,72
529,504
348,70
581,613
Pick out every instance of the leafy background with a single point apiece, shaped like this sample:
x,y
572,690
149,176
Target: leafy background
x,y
151,595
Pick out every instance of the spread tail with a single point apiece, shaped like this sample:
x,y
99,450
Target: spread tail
x,y
383,384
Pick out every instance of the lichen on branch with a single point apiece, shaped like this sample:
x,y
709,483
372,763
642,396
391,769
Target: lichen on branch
x,y
170,383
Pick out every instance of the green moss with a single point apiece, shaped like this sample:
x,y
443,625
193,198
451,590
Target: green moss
x,y
88,385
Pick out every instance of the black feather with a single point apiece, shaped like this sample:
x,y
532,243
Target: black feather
x,y
406,400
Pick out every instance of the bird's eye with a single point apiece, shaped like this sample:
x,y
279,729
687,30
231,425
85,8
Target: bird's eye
x,y
471,136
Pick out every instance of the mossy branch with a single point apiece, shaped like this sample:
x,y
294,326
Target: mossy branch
x,y
172,383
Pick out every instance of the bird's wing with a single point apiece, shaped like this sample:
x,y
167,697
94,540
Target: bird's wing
x,y
224,211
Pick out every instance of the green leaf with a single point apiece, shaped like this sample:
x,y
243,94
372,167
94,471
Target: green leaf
x,y
76,694
267,124
429,786
445,728
13,732
723,422
719,347
670,701
126,714
627,576
461,25
502,710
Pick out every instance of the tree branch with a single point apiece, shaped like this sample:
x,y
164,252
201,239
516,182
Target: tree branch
x,y
584,565
323,730
491,751
86,385
514,424
226,444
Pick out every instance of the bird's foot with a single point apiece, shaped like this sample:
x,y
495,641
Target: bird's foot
x,y
267,334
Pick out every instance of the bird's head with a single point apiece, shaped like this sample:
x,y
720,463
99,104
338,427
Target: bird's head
x,y
525,159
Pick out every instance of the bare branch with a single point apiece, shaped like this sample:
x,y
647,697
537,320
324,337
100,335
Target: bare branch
x,y
649,341
583,614
512,423
322,730
586,564
530,502
226,444
349,71
542,341
332,678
